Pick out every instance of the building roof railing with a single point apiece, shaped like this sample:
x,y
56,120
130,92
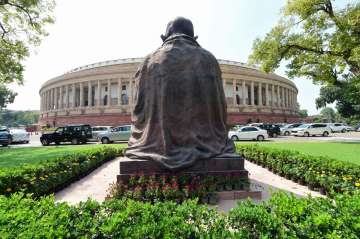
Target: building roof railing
x,y
107,63
139,60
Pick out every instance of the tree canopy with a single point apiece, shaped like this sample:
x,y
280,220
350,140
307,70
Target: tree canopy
x,y
22,26
303,113
13,118
328,114
319,42
7,96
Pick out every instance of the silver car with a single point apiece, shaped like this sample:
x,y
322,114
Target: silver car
x,y
120,133
20,136
96,130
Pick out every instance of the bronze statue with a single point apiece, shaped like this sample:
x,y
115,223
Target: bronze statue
x,y
180,109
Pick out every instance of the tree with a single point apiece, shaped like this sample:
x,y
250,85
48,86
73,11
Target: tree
x,y
15,118
347,97
7,96
22,26
318,42
328,114
303,114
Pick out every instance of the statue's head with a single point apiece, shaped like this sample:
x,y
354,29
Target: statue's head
x,y
179,25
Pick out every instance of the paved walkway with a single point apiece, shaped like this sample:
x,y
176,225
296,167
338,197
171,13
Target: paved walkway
x,y
267,182
92,186
95,185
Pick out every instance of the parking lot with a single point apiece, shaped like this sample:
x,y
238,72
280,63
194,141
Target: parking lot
x,y
337,137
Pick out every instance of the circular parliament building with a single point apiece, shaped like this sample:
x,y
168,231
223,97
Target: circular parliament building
x,y
102,94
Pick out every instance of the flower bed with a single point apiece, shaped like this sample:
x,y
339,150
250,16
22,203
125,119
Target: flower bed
x,y
283,216
320,173
49,177
154,188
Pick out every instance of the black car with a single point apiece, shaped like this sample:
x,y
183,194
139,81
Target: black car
x,y
72,133
273,130
5,136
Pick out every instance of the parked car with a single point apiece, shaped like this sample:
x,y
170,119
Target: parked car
x,y
286,130
338,127
357,128
20,136
311,129
248,133
5,136
96,130
72,133
273,130
120,133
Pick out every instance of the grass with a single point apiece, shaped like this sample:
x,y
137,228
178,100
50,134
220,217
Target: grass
x,y
349,152
14,157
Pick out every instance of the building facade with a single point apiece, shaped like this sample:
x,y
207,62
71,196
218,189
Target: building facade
x,y
102,94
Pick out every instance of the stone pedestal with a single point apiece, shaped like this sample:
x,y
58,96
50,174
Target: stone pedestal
x,y
233,165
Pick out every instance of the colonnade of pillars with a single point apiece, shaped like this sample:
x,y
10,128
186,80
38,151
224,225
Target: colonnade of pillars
x,y
253,93
107,93
99,93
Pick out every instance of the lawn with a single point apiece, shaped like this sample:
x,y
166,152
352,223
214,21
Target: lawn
x,y
13,157
349,152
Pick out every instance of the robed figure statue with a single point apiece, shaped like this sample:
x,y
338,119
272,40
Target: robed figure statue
x,y
179,115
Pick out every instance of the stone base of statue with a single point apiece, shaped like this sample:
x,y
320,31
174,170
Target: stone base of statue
x,y
222,167
214,166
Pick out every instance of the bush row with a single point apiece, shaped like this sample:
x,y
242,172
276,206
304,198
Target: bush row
x,y
283,216
318,172
50,176
153,188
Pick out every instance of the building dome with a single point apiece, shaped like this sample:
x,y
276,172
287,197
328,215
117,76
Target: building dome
x,y
102,93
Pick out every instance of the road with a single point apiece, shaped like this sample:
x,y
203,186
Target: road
x,y
343,137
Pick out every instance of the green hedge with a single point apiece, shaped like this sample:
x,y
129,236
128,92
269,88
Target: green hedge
x,y
323,173
51,176
282,217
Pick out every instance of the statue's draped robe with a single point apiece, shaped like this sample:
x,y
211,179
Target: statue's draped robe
x,y
180,109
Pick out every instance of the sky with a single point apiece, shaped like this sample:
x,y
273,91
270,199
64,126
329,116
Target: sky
x,y
89,31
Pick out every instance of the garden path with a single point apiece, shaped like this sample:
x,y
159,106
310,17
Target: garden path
x,y
267,182
96,183
92,186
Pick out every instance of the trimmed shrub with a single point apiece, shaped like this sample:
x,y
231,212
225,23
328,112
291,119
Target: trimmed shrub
x,y
48,177
323,173
176,187
284,216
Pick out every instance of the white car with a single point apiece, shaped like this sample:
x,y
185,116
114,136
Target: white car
x,y
338,127
311,130
19,136
248,133
121,133
286,130
96,130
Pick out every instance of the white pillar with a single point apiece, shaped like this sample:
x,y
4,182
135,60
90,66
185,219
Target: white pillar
x,y
260,94
52,99
89,94
56,90
99,93
131,92
81,94
289,98
234,91
252,93
243,92
73,95
109,93
267,102
67,104
61,106
119,92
